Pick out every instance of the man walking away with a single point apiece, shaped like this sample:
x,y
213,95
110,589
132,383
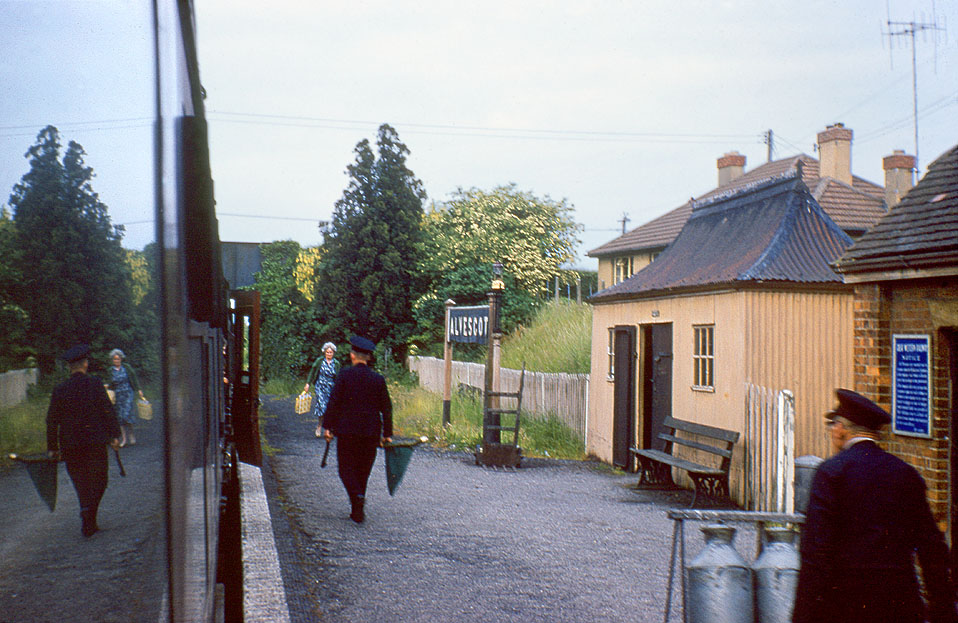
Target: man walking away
x,y
360,416
80,424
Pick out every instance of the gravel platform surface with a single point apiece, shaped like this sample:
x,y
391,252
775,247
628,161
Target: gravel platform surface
x,y
558,541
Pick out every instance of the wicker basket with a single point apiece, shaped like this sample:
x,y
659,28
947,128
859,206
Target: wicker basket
x,y
144,409
303,402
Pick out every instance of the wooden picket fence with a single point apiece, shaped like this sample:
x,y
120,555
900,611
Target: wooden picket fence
x,y
564,395
14,384
769,449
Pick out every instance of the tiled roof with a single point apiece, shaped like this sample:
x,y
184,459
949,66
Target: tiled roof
x,y
774,231
854,208
921,232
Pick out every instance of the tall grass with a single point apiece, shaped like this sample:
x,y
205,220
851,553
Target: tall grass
x,y
417,411
558,340
23,427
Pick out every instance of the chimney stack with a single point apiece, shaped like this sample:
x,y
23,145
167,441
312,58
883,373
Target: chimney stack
x,y
835,153
898,168
730,167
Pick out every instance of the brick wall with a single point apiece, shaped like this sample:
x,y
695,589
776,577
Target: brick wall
x,y
884,309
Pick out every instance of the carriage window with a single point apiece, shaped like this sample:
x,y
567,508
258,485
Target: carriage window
x,y
79,265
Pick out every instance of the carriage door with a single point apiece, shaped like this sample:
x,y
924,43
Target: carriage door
x,y
623,406
656,382
950,336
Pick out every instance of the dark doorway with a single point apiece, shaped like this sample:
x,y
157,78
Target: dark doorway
x,y
656,382
623,406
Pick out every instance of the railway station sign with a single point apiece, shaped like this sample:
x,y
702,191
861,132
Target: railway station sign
x,y
911,385
468,324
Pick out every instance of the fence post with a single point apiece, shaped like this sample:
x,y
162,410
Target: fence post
x,y
786,425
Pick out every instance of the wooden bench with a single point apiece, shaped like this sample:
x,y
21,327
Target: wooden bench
x,y
656,465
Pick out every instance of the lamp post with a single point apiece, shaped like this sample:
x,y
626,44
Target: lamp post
x,y
491,436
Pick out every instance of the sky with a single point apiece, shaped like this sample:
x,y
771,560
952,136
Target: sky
x,y
620,108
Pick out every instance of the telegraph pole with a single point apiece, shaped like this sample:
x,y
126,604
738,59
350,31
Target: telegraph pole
x,y
909,30
625,219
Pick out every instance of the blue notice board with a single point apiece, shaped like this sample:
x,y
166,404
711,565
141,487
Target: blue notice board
x,y
911,385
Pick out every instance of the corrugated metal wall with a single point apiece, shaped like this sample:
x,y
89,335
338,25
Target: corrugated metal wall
x,y
803,342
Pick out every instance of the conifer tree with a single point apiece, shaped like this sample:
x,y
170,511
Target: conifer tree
x,y
369,276
74,279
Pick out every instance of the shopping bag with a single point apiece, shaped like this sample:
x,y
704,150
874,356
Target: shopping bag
x,y
144,409
303,402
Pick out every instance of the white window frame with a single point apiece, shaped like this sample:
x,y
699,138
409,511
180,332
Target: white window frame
x,y
703,357
611,352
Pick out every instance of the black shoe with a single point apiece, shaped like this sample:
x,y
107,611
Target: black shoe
x,y
358,515
89,524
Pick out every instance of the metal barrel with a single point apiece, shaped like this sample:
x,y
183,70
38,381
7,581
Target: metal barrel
x,y
776,577
805,467
719,586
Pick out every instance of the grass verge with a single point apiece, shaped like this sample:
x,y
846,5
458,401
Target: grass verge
x,y
417,411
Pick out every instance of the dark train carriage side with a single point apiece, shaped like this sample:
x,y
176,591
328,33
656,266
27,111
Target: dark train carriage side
x,y
210,346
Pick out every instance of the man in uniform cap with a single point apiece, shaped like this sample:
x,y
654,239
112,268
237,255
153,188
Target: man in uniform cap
x,y
867,517
360,415
80,424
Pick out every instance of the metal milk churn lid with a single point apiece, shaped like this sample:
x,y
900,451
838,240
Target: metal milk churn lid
x,y
776,577
719,581
805,467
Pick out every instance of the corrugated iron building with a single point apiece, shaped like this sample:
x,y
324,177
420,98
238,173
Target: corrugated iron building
x,y
744,294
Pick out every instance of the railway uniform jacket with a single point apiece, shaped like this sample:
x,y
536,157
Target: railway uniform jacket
x,y
80,414
359,404
867,517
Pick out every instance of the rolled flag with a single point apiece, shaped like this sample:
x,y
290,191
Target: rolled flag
x,y
119,463
398,455
325,454
43,472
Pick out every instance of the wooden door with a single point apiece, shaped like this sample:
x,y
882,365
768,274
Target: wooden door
x,y
623,409
657,383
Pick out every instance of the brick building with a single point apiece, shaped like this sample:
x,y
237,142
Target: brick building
x,y
905,276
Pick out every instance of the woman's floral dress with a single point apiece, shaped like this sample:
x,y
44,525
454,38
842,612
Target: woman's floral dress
x,y
124,395
324,385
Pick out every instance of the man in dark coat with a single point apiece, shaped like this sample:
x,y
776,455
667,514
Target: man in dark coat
x,y
360,415
868,516
80,424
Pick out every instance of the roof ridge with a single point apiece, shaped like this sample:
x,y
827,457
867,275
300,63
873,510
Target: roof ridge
x,y
747,188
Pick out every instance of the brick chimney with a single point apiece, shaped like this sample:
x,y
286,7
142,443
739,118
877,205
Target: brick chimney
x,y
898,167
835,153
730,167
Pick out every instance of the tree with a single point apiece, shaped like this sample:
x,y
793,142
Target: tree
x,y
370,270
532,237
288,325
74,279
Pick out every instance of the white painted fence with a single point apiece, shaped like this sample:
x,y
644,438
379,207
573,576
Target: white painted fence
x,y
13,385
564,395
769,449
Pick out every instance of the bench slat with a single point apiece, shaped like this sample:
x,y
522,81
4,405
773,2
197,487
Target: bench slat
x,y
701,429
696,445
689,466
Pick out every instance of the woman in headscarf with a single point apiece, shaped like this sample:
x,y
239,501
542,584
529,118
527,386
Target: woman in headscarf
x,y
321,377
123,382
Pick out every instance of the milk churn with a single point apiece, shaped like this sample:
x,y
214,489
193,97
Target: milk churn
x,y
719,581
805,467
776,577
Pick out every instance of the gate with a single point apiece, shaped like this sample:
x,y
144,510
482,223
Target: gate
x,y
769,449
